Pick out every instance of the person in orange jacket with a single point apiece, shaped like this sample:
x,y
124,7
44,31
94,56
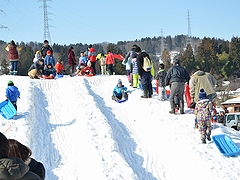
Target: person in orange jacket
x,y
110,62
59,67
88,70
92,56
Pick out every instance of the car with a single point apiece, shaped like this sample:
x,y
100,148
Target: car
x,y
233,120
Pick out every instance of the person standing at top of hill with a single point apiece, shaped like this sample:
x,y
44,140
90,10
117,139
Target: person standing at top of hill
x,y
13,57
145,76
71,59
45,48
177,76
109,62
92,56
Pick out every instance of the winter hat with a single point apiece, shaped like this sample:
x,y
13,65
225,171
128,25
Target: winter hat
x,y
90,46
49,52
59,60
202,94
176,61
119,81
10,83
138,49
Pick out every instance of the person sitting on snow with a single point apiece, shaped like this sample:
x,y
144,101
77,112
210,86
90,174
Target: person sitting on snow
x,y
119,92
50,71
88,70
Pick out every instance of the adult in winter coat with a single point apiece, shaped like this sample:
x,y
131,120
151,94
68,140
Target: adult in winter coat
x,y
13,57
11,167
203,111
36,69
12,93
18,150
177,76
92,54
109,62
145,76
71,59
200,79
45,48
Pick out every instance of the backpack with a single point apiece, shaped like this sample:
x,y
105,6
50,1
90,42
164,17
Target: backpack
x,y
147,65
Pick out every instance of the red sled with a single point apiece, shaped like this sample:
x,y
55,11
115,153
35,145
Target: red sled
x,y
187,95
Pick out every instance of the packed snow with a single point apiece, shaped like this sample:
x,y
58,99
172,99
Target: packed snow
x,y
78,132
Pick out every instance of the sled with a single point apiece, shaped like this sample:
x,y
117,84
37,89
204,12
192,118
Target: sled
x,y
225,145
47,77
187,95
7,110
59,76
121,100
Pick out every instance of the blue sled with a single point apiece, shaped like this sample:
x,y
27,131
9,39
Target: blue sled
x,y
7,110
225,145
121,100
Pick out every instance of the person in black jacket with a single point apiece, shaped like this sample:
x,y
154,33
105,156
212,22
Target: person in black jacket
x,y
45,48
36,69
177,76
12,167
16,149
145,76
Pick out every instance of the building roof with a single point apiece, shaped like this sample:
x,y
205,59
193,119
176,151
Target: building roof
x,y
232,101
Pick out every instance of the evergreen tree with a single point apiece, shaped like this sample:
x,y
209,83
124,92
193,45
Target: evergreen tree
x,y
25,60
166,58
222,61
4,66
187,59
233,64
206,58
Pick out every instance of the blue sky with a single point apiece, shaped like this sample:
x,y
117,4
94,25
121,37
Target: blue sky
x,y
90,22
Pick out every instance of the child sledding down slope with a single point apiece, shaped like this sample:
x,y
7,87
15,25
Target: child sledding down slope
x,y
119,92
203,111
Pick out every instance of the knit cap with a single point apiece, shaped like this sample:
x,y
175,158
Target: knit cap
x,y
119,81
202,94
10,83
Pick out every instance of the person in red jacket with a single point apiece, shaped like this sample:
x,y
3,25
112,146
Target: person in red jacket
x,y
71,59
88,70
92,56
13,57
110,62
59,67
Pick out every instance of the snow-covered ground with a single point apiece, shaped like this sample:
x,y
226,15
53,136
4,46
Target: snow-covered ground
x,y
76,130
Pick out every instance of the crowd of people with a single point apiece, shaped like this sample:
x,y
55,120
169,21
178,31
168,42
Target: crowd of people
x,y
202,84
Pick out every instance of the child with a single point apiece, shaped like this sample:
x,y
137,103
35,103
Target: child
x,y
12,93
134,71
88,70
49,59
161,83
119,92
203,111
50,71
82,60
103,64
59,67
37,56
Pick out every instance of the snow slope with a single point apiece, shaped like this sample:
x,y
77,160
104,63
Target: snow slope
x,y
76,130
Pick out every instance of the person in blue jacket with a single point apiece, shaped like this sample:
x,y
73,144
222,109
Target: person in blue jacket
x,y
12,93
119,92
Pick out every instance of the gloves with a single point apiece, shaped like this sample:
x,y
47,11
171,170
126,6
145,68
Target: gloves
x,y
19,97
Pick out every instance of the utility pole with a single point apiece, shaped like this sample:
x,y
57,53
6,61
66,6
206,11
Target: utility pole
x,y
162,42
189,40
46,34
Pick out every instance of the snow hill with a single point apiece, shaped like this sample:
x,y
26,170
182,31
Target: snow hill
x,y
76,130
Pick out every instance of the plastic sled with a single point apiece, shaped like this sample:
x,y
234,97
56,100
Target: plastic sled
x,y
7,110
187,95
225,145
121,100
59,75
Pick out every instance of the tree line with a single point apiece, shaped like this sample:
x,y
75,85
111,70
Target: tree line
x,y
219,57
